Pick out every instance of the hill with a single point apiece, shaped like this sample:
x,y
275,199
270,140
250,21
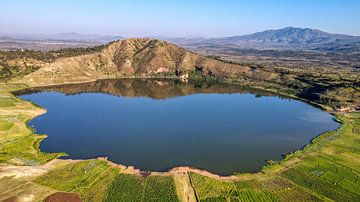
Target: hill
x,y
131,58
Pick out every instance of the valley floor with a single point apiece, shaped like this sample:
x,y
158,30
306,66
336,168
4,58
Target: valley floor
x,y
328,169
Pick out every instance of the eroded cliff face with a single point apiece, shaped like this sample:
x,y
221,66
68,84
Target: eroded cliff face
x,y
131,58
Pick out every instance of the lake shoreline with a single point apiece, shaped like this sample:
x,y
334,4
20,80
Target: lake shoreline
x,y
136,171
52,175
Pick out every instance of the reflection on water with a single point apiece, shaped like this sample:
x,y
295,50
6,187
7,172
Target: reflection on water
x,y
152,88
160,124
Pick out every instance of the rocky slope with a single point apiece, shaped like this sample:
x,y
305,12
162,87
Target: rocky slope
x,y
132,58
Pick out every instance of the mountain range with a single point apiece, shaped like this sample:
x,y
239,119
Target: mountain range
x,y
53,41
288,38
65,37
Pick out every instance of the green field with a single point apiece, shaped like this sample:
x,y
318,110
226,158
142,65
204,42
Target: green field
x,y
208,189
96,180
135,188
89,178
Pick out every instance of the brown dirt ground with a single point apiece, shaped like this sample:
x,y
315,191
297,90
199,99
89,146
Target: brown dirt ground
x,y
63,197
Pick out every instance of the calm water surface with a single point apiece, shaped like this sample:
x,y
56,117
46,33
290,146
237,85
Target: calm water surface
x,y
157,125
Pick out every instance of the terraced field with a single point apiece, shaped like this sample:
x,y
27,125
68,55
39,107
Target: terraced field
x,y
328,169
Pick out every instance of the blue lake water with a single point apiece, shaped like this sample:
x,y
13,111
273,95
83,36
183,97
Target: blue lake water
x,y
158,125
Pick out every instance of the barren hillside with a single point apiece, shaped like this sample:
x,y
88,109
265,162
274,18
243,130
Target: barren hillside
x,y
130,58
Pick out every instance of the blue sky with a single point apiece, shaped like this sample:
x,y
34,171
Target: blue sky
x,y
207,18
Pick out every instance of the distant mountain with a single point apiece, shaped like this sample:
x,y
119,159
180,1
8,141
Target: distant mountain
x,y
289,38
67,37
286,38
54,41
292,36
72,36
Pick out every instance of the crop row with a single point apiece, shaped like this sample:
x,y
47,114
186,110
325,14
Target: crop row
x,y
208,189
135,188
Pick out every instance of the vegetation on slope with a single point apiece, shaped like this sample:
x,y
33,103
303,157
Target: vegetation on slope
x,y
7,71
18,63
72,52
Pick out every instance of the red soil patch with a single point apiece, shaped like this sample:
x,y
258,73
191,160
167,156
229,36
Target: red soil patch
x,y
63,197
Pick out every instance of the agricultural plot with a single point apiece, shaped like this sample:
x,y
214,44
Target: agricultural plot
x,y
208,189
5,126
331,173
97,191
127,188
319,185
73,175
7,101
89,178
160,188
296,194
134,188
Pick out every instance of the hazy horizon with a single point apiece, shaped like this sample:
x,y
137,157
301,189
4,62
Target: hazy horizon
x,y
19,35
212,18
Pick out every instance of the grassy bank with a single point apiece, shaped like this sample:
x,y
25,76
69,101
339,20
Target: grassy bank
x,y
18,144
325,170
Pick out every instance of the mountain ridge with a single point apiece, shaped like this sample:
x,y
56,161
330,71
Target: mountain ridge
x,y
287,38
